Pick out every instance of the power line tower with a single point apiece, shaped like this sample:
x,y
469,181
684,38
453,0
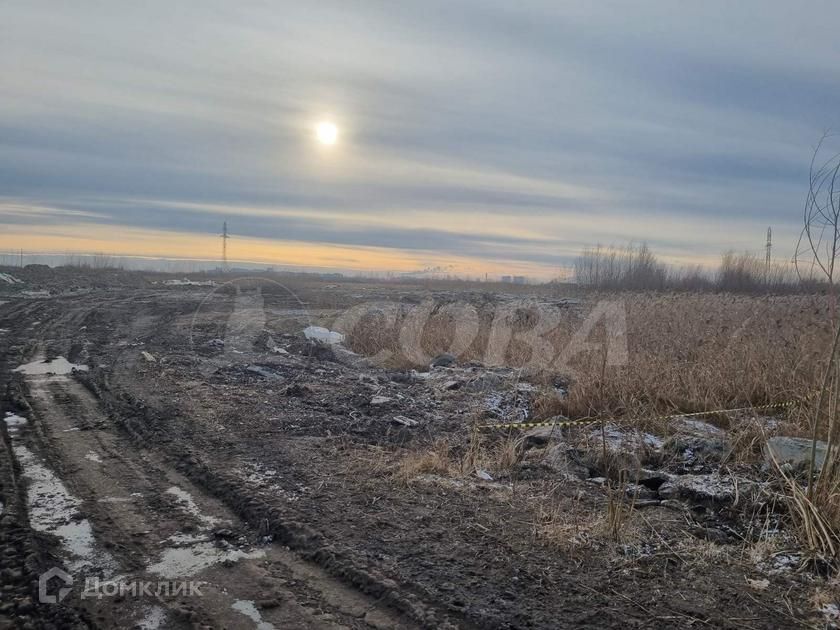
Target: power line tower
x,y
225,237
767,257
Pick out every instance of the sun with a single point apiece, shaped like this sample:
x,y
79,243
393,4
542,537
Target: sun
x,y
326,132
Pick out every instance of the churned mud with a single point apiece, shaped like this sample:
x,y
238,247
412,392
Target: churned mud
x,y
259,479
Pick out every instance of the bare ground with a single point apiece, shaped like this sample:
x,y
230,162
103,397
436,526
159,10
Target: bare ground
x,y
281,491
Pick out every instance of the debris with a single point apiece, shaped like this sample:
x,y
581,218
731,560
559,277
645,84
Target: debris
x,y
10,279
712,488
150,358
322,335
692,426
483,474
405,421
263,371
443,360
379,400
279,350
758,585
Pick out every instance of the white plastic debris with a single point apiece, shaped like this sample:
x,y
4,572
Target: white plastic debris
x,y
379,400
148,356
322,335
483,474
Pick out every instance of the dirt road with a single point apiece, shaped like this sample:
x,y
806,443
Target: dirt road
x,y
136,451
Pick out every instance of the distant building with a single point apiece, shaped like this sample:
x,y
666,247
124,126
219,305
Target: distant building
x,y
515,279
518,279
507,279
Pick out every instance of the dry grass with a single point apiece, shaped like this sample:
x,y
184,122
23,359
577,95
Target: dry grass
x,y
437,460
686,352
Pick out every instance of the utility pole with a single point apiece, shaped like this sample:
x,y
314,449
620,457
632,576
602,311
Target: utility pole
x,y
21,258
225,237
767,257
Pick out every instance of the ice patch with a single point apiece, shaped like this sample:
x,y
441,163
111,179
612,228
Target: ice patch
x,y
58,366
249,609
52,509
153,618
13,422
831,612
183,562
187,503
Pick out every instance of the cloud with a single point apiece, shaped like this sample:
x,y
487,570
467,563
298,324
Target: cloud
x,y
470,130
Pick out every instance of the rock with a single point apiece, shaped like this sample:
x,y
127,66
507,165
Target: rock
x,y
712,534
485,383
640,492
342,355
408,422
150,358
443,360
693,426
262,371
562,460
696,450
541,436
794,451
710,489
451,385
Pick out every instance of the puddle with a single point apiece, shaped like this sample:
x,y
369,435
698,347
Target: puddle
x,y
184,562
249,609
52,509
188,504
58,366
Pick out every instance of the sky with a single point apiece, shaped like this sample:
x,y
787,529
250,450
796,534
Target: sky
x,y
474,136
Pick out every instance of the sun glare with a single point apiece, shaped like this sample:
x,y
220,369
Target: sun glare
x,y
326,132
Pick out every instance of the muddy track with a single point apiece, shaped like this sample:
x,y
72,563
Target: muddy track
x,y
139,514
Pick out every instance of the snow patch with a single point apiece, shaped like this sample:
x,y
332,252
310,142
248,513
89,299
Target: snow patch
x,y
187,503
52,509
10,279
323,335
249,609
57,366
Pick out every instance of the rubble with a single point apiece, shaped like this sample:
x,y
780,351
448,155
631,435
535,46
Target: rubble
x,y
714,488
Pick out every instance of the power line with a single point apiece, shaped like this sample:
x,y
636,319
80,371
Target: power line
x,y
767,258
225,237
